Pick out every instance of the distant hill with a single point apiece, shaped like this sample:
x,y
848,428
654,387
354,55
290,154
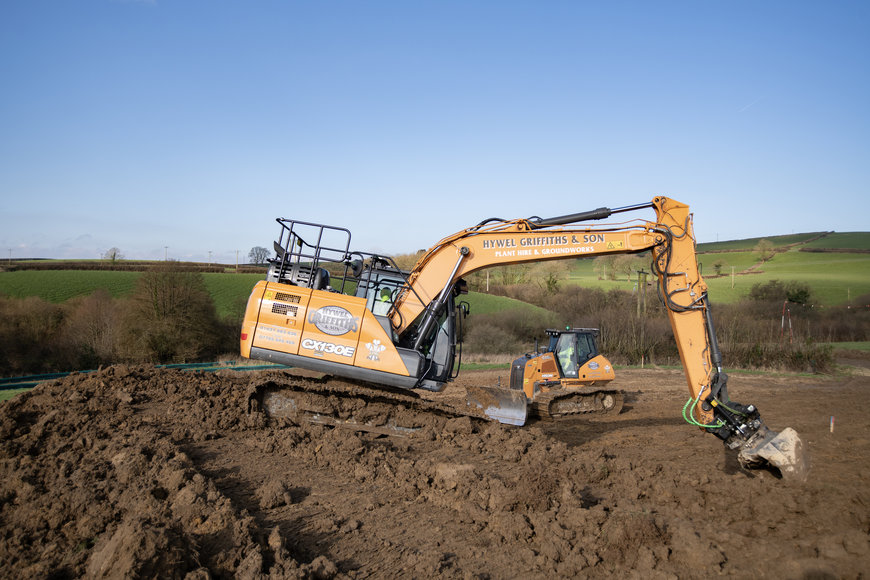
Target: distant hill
x,y
811,241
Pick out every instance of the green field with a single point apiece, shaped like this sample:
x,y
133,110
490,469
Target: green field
x,y
815,240
60,285
777,241
836,278
481,303
229,291
844,240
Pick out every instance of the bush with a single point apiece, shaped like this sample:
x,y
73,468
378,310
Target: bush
x,y
171,318
510,332
776,291
91,330
28,335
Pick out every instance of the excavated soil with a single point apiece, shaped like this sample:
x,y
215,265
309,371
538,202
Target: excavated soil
x,y
142,472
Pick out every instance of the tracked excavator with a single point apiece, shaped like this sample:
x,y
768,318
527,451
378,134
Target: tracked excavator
x,y
567,377
377,334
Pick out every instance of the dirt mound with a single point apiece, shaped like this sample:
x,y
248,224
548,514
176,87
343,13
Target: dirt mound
x,y
143,472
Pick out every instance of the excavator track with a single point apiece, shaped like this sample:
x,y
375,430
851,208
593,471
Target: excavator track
x,y
564,402
338,402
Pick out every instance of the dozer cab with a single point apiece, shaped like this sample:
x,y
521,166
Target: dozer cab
x,y
568,377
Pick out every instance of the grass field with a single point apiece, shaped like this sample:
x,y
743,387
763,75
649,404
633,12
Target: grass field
x,y
827,241
844,240
481,303
230,291
750,243
9,393
863,346
835,278
60,285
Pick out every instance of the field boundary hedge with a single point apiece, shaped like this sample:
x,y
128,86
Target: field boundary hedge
x,y
130,266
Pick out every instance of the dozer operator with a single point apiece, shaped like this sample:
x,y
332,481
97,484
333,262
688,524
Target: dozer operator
x,y
320,308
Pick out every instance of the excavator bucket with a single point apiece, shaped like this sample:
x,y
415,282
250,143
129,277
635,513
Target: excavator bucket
x,y
784,451
503,405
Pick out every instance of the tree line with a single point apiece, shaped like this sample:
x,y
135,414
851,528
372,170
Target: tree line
x,y
775,327
169,318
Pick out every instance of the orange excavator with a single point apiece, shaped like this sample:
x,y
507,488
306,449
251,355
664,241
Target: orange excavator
x,y
363,321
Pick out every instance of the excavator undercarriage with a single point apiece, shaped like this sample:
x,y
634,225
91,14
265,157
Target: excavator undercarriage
x,y
302,397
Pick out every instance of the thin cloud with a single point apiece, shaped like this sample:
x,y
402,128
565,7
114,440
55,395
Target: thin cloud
x,y
750,105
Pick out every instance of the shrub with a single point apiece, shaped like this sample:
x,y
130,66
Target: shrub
x,y
171,318
91,330
776,291
28,335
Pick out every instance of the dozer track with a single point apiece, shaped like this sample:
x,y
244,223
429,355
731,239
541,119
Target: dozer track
x,y
566,402
339,402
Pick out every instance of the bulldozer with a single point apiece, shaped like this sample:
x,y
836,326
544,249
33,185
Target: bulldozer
x,y
377,334
569,376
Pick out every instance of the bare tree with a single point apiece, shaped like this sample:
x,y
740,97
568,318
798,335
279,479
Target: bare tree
x,y
765,250
258,255
113,254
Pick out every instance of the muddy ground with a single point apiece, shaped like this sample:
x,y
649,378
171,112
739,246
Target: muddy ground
x,y
138,472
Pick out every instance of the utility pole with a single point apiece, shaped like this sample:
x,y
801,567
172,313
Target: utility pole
x,y
165,253
641,311
237,261
209,257
641,293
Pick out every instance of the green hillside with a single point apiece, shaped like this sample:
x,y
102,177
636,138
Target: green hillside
x,y
814,240
835,277
750,243
842,241
481,303
229,291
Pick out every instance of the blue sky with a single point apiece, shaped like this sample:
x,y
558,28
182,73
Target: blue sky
x,y
182,128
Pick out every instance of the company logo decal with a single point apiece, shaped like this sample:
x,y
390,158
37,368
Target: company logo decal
x,y
328,347
333,320
593,365
375,348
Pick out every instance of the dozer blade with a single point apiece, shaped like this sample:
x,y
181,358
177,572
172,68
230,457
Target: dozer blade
x,y
784,451
502,405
